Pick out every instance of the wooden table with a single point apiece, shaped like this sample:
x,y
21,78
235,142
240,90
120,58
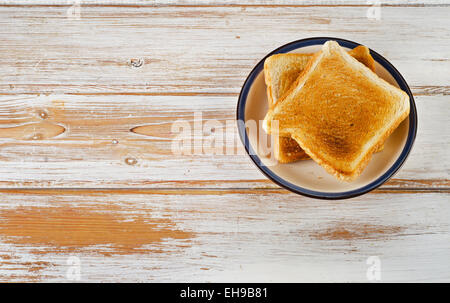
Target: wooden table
x,y
92,191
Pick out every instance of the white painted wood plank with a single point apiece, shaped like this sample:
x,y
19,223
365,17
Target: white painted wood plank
x,y
267,237
97,141
191,234
223,2
201,49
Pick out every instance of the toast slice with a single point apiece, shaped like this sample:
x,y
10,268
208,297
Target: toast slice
x,y
280,72
338,111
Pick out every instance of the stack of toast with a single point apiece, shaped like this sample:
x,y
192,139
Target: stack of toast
x,y
330,106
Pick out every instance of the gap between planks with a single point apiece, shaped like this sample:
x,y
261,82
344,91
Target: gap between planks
x,y
416,90
196,191
227,5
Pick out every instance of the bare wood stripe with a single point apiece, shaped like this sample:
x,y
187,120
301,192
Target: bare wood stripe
x,y
431,90
227,189
259,184
209,3
125,90
174,237
232,5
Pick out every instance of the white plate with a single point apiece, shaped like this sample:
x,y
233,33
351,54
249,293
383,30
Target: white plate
x,y
307,177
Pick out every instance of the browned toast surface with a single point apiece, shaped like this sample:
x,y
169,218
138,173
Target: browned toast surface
x,y
339,112
281,71
287,150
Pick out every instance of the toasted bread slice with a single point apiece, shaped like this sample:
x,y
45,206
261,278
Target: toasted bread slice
x,y
362,54
339,112
287,150
280,72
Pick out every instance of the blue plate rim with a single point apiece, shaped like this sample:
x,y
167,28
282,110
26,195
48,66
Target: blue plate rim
x,y
240,118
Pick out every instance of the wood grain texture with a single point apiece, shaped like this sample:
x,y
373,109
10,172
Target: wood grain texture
x,y
45,51
227,236
87,169
69,141
224,2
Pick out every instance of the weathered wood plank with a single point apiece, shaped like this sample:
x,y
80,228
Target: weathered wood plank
x,y
128,70
128,141
225,2
206,49
221,236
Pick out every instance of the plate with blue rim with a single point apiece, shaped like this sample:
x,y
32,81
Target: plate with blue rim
x,y
306,177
